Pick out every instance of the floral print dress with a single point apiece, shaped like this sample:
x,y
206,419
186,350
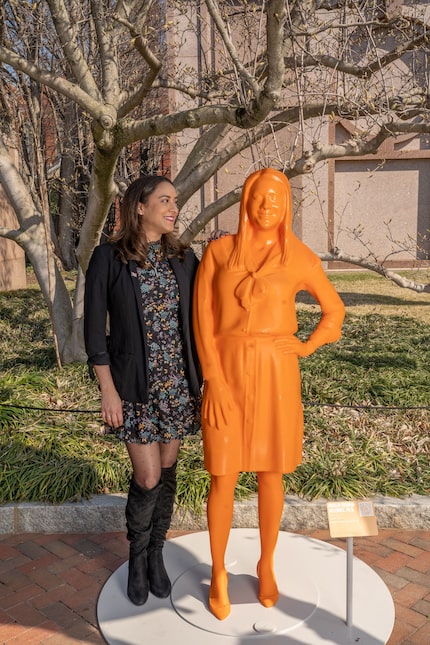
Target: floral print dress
x,y
171,412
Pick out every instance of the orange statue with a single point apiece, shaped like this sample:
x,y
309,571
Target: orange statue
x,y
245,324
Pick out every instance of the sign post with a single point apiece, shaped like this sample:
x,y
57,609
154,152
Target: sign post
x,y
349,519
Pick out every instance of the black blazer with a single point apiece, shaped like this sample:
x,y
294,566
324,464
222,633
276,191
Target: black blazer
x,y
112,293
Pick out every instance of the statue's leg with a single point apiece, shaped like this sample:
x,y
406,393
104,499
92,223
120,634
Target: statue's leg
x,y
220,515
270,506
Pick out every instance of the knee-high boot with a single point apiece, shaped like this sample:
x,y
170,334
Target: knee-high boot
x,y
159,582
138,513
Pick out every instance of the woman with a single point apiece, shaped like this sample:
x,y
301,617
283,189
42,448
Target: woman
x,y
147,366
245,324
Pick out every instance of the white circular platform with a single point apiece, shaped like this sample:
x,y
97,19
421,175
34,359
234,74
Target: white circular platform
x,y
311,610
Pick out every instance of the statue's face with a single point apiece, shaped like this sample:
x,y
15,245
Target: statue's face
x,y
267,203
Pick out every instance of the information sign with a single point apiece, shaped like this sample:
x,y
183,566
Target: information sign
x,y
351,519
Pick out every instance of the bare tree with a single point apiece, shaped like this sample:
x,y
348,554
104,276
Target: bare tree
x,y
241,75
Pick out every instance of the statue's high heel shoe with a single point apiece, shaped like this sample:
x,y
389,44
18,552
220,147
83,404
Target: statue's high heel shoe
x,y
219,602
268,594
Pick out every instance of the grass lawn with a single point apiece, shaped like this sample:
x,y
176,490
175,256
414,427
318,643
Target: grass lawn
x,y
366,398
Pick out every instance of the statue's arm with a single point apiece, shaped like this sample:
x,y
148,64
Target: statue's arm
x,y
329,327
218,403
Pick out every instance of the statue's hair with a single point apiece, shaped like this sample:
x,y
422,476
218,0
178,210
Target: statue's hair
x,y
244,233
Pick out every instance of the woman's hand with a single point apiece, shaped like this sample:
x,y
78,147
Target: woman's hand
x,y
112,408
111,401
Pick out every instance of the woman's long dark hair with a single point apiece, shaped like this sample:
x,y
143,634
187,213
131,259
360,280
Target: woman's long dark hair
x,y
130,238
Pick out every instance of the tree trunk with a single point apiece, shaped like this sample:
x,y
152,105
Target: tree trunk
x,y
66,240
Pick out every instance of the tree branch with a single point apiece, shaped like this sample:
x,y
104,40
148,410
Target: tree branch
x,y
74,56
263,103
419,127
107,44
360,71
204,165
211,211
208,140
141,45
247,78
191,92
339,256
11,234
170,123
15,190
104,114
396,53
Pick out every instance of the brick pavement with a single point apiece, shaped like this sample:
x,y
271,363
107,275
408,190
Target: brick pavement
x,y
49,584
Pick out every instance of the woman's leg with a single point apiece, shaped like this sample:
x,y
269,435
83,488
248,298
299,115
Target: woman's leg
x,y
147,460
270,506
159,581
148,513
146,463
220,514
142,498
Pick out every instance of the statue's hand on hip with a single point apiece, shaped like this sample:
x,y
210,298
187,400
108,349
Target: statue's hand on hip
x,y
292,345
